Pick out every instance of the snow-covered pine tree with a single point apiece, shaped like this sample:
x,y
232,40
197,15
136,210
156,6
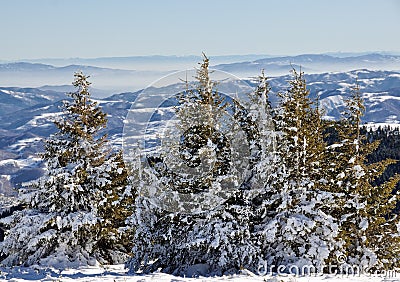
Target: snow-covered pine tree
x,y
208,242
200,112
294,229
115,235
70,215
368,226
255,118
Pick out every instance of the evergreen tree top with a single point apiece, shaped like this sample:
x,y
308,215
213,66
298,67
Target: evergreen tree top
x,y
83,118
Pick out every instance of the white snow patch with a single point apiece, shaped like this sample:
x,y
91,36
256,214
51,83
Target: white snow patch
x,y
111,273
21,144
40,120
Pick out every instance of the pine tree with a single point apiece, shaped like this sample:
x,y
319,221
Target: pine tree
x,y
368,227
114,234
294,228
69,220
207,242
301,125
203,147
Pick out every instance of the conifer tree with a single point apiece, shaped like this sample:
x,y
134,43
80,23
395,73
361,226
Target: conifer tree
x,y
295,230
207,242
368,228
114,233
200,112
77,210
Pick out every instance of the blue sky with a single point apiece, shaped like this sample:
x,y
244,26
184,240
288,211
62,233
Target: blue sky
x,y
97,28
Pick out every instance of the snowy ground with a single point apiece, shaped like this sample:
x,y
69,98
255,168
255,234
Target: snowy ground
x,y
118,273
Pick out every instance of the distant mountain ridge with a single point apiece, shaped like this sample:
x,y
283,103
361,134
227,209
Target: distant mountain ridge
x,y
312,63
107,80
128,74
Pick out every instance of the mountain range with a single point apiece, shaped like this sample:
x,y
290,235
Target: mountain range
x,y
128,74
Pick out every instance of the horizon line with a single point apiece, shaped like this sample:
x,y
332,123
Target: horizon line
x,y
329,53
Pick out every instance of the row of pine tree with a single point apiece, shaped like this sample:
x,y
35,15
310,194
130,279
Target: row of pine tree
x,y
309,195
